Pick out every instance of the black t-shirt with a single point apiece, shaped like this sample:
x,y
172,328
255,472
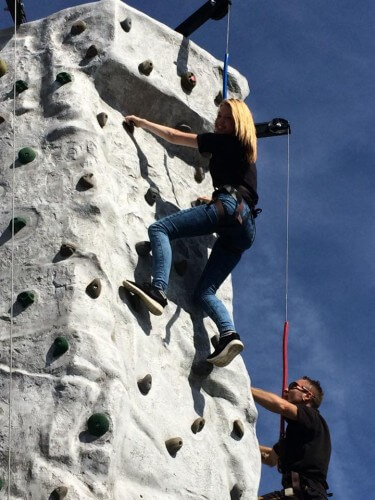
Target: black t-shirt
x,y
306,448
228,164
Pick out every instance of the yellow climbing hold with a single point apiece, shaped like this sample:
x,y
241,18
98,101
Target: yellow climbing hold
x,y
3,68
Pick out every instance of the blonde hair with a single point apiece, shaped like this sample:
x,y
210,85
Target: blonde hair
x,y
244,127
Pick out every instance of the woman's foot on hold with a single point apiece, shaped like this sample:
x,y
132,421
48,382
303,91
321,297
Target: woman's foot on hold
x,y
226,350
154,298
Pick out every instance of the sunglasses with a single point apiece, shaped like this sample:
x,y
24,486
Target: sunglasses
x,y
294,385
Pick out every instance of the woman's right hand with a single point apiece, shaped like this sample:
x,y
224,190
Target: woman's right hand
x,y
134,119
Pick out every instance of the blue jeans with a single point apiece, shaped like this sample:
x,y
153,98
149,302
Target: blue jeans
x,y
233,239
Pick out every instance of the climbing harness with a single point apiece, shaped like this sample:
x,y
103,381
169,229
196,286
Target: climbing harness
x,y
286,323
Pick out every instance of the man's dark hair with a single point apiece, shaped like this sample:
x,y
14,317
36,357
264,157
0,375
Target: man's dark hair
x,y
317,400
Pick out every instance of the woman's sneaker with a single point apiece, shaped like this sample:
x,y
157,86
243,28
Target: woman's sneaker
x,y
226,350
154,298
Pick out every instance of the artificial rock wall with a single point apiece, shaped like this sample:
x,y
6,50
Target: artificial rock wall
x,y
85,422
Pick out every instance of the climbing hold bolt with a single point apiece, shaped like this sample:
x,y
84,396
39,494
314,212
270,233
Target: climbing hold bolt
x,y
26,298
143,248
78,27
102,119
181,267
238,428
94,288
188,81
26,155
218,99
173,445
98,424
60,346
3,68
92,51
67,249
21,86
128,126
144,385
183,127
86,182
198,425
63,78
151,195
146,67
59,493
19,223
199,175
236,492
126,24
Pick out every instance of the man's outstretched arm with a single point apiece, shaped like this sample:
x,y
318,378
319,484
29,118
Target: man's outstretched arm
x,y
274,403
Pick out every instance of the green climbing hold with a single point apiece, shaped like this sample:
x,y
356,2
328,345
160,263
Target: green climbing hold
x,y
26,155
174,445
126,24
238,428
98,424
59,493
102,119
198,425
86,182
19,223
3,68
60,346
144,385
188,81
94,288
26,298
64,78
21,86
78,27
92,51
199,175
146,67
67,249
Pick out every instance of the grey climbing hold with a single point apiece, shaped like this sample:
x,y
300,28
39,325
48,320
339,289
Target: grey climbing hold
x,y
21,86
67,249
174,445
98,424
215,341
126,24
60,346
86,181
92,51
219,98
3,68
199,175
128,126
78,27
144,385
59,493
2,120
146,67
238,428
94,288
63,78
152,195
181,267
102,119
19,223
26,298
26,155
198,425
188,81
236,492
183,127
143,248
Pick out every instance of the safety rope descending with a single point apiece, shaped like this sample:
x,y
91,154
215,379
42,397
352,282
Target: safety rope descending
x,y
286,323
226,57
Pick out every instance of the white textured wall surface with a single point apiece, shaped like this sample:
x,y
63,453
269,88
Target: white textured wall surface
x,y
112,343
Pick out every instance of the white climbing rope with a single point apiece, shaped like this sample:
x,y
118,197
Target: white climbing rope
x,y
10,393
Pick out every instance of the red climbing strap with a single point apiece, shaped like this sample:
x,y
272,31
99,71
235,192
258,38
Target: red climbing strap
x,y
285,372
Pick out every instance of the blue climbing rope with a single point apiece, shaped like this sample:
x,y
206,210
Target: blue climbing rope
x,y
226,58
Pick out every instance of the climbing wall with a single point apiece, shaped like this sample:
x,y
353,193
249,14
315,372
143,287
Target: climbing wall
x,y
106,401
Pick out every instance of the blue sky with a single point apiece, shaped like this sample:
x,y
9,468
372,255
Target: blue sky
x,y
312,63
